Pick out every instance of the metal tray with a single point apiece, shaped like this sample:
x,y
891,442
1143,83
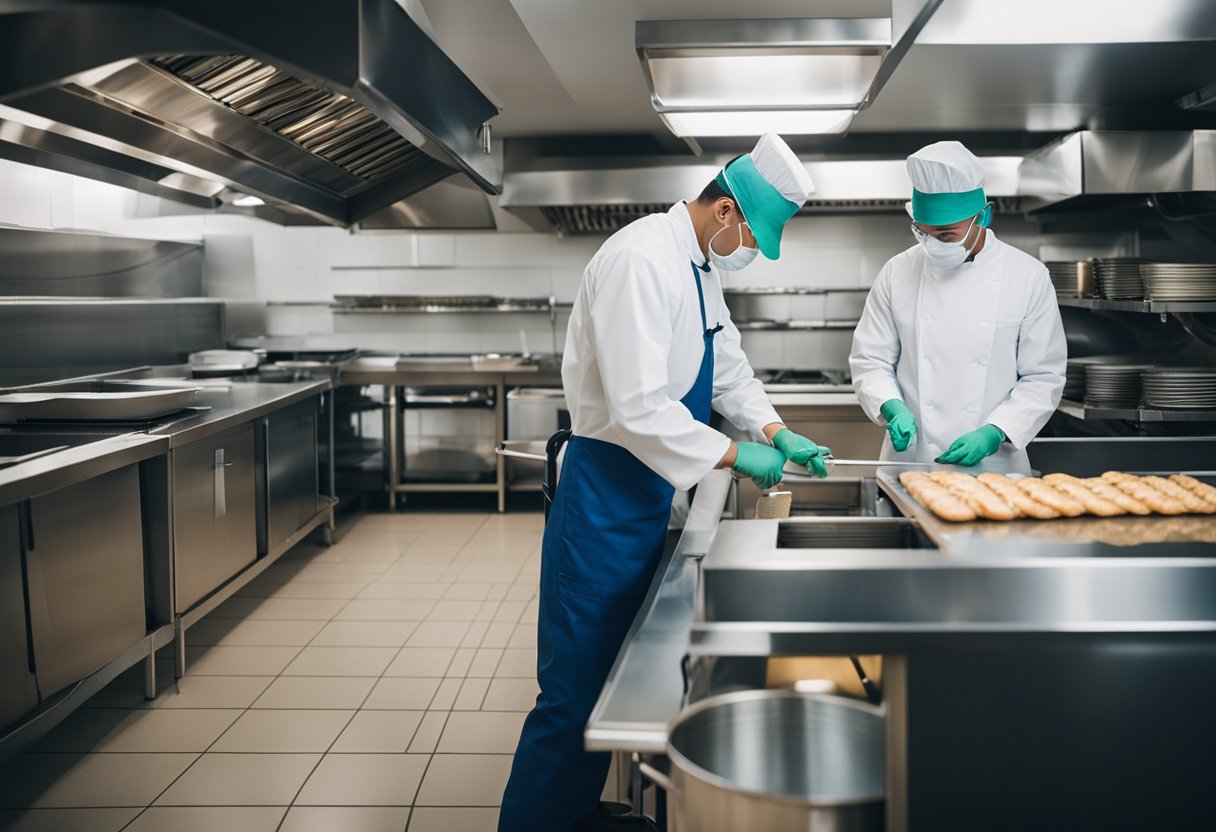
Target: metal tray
x,y
95,407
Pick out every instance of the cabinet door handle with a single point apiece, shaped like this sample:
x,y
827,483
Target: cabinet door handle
x,y
221,500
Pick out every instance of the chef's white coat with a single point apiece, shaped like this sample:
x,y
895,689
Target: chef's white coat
x,y
634,346
982,343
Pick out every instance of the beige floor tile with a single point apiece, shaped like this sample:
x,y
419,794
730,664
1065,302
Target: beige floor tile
x,y
393,610
497,591
461,662
465,780
241,780
522,592
510,695
313,589
445,696
364,780
523,637
421,661
252,633
319,692
283,732
222,660
531,613
364,634
209,819
402,694
346,819
341,661
378,732
453,819
92,780
435,633
428,733
403,592
281,609
467,592
488,610
188,692
66,820
156,731
477,632
519,663
472,692
481,732
510,611
498,634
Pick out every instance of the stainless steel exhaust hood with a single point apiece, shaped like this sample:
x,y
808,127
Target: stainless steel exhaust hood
x,y
1119,163
575,199
337,110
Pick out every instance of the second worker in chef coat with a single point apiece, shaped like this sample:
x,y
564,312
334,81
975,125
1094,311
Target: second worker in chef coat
x,y
960,352
650,350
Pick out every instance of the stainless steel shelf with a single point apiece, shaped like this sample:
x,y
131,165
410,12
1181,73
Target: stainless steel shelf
x,y
1134,414
414,310
790,290
1150,306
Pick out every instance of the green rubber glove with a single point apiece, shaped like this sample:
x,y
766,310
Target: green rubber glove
x,y
762,463
901,424
970,448
802,451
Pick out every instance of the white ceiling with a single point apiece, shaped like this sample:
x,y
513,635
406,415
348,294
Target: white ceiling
x,y
565,67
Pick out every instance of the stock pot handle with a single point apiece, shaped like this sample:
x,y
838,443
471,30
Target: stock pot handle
x,y
657,777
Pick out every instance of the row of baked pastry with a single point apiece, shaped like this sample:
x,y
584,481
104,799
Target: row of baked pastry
x,y
959,497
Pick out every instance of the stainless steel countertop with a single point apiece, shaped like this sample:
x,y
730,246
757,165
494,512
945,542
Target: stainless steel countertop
x,y
231,403
235,402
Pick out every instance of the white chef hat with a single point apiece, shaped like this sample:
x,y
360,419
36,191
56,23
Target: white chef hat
x,y
947,184
770,185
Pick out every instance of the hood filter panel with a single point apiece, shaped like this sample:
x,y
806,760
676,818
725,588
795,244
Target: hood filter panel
x,y
326,124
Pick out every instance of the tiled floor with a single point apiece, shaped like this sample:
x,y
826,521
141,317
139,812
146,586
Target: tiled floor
x,y
375,686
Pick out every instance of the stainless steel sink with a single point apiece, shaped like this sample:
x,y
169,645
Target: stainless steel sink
x,y
851,533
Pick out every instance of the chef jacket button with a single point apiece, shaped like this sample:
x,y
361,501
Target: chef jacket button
x,y
925,315
930,405
929,358
985,323
977,364
972,409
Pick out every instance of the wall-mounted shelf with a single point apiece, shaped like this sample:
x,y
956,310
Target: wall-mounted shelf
x,y
789,290
415,304
1134,414
1150,306
789,326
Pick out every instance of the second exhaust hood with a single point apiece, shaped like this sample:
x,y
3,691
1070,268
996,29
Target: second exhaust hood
x,y
581,199
335,110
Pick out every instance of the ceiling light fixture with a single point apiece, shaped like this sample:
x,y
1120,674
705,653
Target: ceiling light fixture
x,y
747,77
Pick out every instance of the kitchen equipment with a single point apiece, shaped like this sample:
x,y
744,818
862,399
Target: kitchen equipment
x,y
1179,281
449,434
533,414
214,363
773,761
1118,278
9,461
133,404
1179,387
1113,385
1071,278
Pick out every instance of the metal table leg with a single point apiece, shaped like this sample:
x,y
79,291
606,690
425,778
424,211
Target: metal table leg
x,y
393,432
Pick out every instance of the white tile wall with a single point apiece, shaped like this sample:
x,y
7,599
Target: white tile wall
x,y
298,270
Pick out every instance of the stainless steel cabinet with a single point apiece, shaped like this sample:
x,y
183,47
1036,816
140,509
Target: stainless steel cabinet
x,y
214,526
85,566
18,694
290,484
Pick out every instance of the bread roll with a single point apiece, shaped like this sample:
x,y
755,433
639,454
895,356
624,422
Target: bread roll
x,y
1158,501
1017,498
1196,487
1104,489
936,498
983,500
1044,493
1094,504
1193,502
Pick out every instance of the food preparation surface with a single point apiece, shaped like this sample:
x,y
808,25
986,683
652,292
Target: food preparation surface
x,y
1184,535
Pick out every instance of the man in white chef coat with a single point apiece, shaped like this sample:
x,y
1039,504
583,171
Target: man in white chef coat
x,y
960,352
650,351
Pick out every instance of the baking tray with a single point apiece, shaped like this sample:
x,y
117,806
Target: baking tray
x,y
132,405
1080,536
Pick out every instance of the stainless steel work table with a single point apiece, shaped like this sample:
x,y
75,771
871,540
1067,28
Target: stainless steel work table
x,y
233,403
396,374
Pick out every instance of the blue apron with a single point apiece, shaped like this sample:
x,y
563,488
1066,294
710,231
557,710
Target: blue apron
x,y
602,545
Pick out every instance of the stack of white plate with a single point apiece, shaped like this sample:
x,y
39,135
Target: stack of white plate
x,y
1118,278
1113,385
1179,281
1188,388
1064,277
